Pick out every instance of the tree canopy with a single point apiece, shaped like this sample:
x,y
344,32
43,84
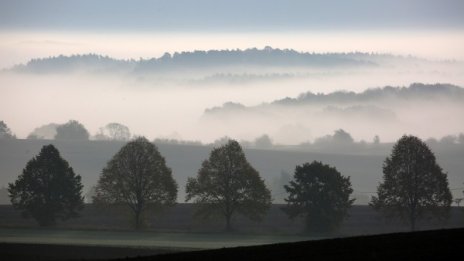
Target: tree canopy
x,y
226,184
138,177
114,131
320,194
5,132
414,186
47,189
72,130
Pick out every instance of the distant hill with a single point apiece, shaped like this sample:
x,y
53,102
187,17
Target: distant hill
x,y
86,62
198,60
415,91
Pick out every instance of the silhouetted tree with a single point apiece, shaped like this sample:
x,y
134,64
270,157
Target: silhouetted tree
x,y
5,132
263,142
72,130
137,176
44,132
461,138
414,185
340,137
227,184
320,194
114,131
47,189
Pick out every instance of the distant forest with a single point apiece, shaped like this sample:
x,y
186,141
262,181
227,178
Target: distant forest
x,y
267,56
416,91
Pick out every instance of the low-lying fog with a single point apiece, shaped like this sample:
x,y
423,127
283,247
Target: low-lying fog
x,y
173,105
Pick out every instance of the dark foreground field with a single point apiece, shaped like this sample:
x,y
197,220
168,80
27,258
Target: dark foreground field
x,y
424,245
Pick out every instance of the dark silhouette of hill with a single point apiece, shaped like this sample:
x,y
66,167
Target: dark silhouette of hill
x,y
197,60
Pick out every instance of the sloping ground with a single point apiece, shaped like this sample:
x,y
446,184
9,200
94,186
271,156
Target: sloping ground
x,y
42,252
425,245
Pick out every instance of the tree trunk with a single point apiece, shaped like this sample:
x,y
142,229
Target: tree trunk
x,y
137,220
412,221
228,223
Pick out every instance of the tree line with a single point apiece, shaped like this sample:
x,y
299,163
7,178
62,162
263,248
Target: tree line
x,y
413,187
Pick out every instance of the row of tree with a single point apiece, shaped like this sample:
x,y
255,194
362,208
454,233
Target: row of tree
x,y
74,130
414,186
71,130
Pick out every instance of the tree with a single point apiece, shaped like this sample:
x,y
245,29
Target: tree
x,y
44,132
114,131
414,186
138,177
320,194
72,130
47,189
227,184
5,132
263,142
341,136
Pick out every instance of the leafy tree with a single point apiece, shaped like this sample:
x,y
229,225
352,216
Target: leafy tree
x,y
114,131
340,137
414,185
227,184
44,132
72,130
47,189
138,177
263,142
5,132
320,194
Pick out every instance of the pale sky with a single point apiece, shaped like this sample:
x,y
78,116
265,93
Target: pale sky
x,y
133,29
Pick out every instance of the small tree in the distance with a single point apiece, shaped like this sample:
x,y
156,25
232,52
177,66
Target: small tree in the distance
x,y
320,194
72,130
114,131
137,176
48,189
5,132
414,186
227,185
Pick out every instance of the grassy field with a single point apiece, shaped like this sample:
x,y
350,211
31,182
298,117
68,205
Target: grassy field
x,y
424,245
144,239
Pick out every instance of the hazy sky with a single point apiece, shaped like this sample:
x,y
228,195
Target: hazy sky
x,y
133,29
